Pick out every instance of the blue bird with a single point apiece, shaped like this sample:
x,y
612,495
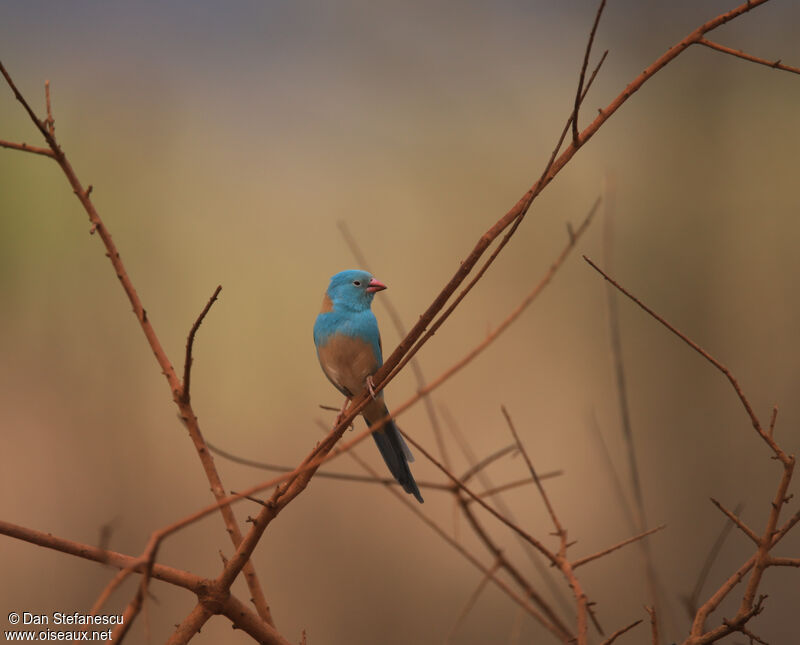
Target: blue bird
x,y
349,351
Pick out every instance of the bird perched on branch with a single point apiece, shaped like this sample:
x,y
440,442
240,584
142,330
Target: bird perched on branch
x,y
349,351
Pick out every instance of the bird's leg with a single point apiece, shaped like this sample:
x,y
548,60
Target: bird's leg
x,y
371,386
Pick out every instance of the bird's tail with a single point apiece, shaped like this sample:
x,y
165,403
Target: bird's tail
x,y
396,454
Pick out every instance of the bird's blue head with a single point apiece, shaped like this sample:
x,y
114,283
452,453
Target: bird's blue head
x,y
353,290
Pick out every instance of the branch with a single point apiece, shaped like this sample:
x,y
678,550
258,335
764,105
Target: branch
x,y
187,364
24,147
579,94
559,627
734,518
397,321
472,559
620,632
653,625
518,211
753,59
691,600
176,387
364,479
562,534
734,383
619,545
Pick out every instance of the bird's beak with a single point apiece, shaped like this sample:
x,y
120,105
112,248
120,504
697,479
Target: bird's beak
x,y
375,285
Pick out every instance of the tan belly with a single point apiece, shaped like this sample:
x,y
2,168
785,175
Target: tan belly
x,y
348,362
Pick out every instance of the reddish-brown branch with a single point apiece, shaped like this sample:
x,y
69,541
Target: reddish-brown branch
x,y
731,378
364,479
299,478
190,625
24,147
50,122
521,207
397,322
472,559
495,333
620,632
187,364
784,562
560,532
486,462
522,582
653,625
691,600
581,561
735,519
579,94
495,490
176,387
233,608
776,64
766,540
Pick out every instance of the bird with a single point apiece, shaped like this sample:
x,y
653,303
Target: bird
x,y
348,346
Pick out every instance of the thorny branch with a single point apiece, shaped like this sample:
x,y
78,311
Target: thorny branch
x,y
762,559
214,595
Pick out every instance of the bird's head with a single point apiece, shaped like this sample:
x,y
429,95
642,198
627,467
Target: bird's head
x,y
353,289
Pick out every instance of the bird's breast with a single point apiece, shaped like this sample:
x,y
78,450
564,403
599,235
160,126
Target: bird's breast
x,y
347,361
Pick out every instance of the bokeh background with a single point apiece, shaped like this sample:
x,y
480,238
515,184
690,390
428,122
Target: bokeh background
x,y
225,142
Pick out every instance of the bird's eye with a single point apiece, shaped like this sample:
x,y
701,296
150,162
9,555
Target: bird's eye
x,y
357,283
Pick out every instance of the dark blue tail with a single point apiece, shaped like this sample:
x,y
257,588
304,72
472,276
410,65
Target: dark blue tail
x,y
396,454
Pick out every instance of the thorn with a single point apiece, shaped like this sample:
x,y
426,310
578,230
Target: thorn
x,y
89,190
92,232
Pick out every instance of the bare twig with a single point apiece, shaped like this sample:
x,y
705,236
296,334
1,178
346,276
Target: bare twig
x,y
496,490
653,625
486,461
581,561
472,559
620,632
176,387
545,572
734,383
366,479
513,571
615,336
690,601
579,93
776,64
187,364
24,147
50,122
562,534
733,517
112,585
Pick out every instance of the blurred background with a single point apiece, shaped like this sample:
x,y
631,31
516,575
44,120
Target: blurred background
x,y
225,143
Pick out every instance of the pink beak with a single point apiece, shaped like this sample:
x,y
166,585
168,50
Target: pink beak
x,y
375,285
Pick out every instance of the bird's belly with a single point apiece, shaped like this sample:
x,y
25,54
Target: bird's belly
x,y
347,362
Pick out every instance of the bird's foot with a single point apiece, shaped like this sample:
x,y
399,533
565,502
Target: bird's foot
x,y
371,386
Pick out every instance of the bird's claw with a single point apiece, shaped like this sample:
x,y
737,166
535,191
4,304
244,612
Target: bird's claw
x,y
371,386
